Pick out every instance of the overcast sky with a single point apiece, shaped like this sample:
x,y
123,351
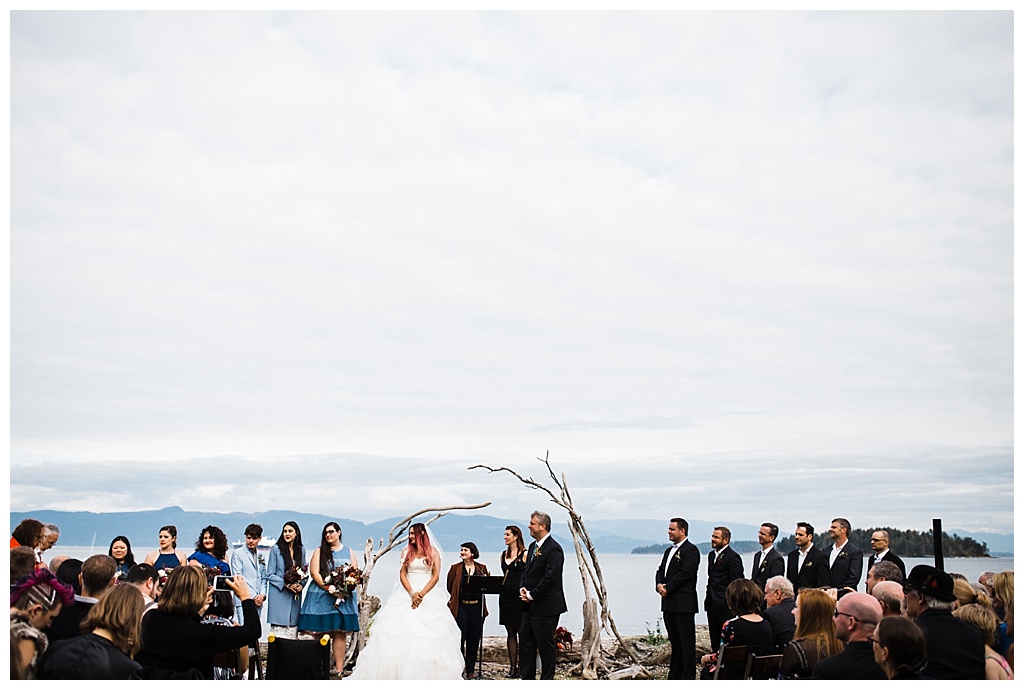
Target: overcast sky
x,y
728,266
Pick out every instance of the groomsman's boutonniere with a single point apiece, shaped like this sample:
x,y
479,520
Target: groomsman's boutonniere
x,y
843,554
261,560
536,554
678,556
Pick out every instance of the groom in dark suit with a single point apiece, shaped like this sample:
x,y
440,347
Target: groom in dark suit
x,y
543,600
676,582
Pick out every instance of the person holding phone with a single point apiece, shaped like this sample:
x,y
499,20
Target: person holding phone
x,y
176,642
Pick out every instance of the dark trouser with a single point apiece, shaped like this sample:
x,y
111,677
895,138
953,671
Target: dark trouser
x,y
537,635
683,636
471,623
716,619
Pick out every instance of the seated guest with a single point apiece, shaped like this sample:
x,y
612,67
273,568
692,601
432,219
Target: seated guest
x,y
778,595
174,639
112,631
814,638
983,619
748,629
890,596
1009,631
883,571
856,616
70,573
966,594
97,578
144,578
898,645
28,533
36,600
56,561
955,649
23,562
1002,592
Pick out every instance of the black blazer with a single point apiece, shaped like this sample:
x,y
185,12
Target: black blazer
x,y
782,620
680,580
727,567
955,649
814,572
892,558
773,565
847,569
856,662
542,578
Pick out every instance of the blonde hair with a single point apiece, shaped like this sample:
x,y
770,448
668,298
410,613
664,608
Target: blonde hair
x,y
1002,586
816,621
119,612
185,591
982,619
966,594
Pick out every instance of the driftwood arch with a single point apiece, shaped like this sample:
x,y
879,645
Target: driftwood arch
x,y
593,663
368,605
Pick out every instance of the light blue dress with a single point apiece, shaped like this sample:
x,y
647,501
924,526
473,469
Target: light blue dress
x,y
282,605
318,613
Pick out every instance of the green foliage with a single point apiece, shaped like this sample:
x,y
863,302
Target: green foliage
x,y
655,637
909,543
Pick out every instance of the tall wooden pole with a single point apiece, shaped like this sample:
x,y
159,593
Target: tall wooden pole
x,y
937,540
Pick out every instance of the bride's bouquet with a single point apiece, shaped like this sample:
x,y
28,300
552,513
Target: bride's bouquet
x,y
341,581
297,574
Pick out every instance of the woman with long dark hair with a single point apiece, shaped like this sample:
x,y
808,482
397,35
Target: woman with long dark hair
x,y
414,636
510,605
284,599
319,612
167,556
121,551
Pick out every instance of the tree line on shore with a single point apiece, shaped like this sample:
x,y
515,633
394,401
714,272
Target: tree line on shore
x,y
909,543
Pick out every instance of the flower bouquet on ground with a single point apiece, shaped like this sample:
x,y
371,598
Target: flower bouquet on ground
x,y
563,639
341,581
296,575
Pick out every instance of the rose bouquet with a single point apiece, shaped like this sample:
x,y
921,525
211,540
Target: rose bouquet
x,y
341,581
296,575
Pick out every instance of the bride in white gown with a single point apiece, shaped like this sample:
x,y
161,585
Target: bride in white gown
x,y
414,636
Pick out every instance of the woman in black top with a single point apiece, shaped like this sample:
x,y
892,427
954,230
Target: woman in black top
x,y
176,641
748,628
510,606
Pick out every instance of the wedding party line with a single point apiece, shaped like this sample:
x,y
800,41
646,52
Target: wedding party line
x,y
205,621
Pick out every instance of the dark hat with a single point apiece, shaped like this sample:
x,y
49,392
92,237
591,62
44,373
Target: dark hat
x,y
931,581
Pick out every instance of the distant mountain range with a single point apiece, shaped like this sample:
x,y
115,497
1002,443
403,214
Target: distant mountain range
x,y
609,536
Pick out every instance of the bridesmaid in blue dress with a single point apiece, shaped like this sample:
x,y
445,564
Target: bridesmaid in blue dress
x,y
284,600
211,550
318,614
167,556
121,551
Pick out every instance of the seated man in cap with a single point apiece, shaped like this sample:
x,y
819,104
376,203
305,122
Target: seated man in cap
x,y
955,649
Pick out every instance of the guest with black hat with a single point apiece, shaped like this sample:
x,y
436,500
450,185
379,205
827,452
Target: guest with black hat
x,y
955,649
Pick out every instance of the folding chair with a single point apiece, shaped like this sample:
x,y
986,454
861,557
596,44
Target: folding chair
x,y
763,667
298,659
732,663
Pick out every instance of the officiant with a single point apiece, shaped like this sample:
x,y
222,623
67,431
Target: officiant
x,y
467,603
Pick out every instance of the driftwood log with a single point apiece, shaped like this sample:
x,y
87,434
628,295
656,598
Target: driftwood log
x,y
597,615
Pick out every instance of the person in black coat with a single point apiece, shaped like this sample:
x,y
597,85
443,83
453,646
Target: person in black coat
x,y
898,645
543,600
778,595
955,649
676,583
807,566
111,636
856,616
846,560
724,566
768,562
176,641
881,552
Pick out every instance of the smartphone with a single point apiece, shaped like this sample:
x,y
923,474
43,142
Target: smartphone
x,y
220,583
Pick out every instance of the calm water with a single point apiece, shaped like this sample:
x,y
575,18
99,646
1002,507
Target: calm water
x,y
629,580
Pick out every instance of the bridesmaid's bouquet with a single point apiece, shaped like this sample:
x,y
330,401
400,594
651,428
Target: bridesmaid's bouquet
x,y
297,574
341,581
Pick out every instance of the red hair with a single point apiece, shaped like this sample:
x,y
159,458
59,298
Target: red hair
x,y
421,549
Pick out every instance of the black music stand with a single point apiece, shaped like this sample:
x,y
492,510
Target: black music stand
x,y
491,584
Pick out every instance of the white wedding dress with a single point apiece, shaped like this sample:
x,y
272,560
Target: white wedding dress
x,y
407,643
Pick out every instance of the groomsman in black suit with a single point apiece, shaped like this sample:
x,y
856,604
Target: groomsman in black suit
x,y
880,547
543,600
845,561
808,566
676,582
768,562
724,566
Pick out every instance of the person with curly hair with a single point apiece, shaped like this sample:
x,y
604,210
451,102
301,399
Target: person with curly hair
x,y
36,600
211,550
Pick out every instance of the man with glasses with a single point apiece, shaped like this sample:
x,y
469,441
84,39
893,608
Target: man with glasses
x,y
856,616
880,546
